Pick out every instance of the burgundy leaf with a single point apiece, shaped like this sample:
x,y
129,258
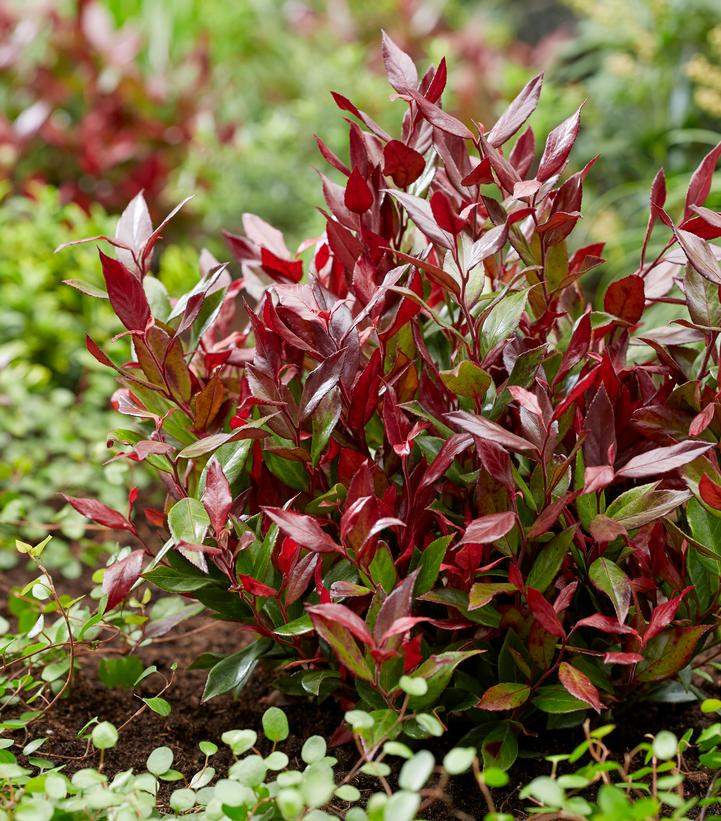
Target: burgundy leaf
x,y
401,70
126,294
120,577
358,196
605,624
625,298
100,513
663,615
453,446
558,146
303,529
544,613
517,112
255,587
662,460
489,528
438,117
444,214
700,255
403,164
346,618
700,184
486,429
217,497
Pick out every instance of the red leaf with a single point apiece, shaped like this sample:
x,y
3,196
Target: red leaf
x,y
403,164
396,425
702,420
93,348
700,184
579,685
100,513
303,529
517,112
625,298
597,477
346,618
365,392
710,492
486,429
481,174
281,270
358,196
544,613
120,577
489,528
444,214
217,497
549,515
438,117
605,624
400,68
662,460
451,448
126,294
256,588
663,615
558,146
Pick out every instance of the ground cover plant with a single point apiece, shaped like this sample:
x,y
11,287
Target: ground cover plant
x,y
431,457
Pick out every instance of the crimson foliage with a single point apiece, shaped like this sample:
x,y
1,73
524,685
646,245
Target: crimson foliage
x,y
83,117
414,446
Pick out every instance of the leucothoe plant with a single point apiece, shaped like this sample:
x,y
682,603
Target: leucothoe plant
x,y
415,447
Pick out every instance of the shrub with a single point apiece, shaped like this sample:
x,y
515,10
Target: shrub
x,y
432,458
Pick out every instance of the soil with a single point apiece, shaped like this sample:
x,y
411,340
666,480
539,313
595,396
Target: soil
x,y
191,722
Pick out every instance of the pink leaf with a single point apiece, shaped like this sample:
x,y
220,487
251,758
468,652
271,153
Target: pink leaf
x,y
346,618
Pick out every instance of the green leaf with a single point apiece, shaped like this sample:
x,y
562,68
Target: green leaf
x,y
459,760
275,724
503,319
482,593
611,580
159,705
120,672
467,379
668,653
325,417
556,700
415,772
297,627
644,504
549,560
500,747
504,696
160,761
430,564
104,736
402,806
188,521
233,672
